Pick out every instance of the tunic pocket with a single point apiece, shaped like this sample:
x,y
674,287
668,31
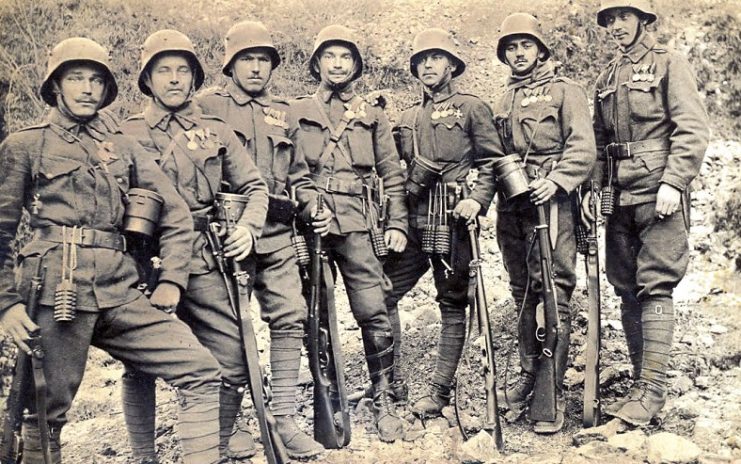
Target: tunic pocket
x,y
451,138
312,140
57,176
282,150
360,139
645,100
545,121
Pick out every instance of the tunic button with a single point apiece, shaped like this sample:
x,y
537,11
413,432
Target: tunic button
x,y
119,180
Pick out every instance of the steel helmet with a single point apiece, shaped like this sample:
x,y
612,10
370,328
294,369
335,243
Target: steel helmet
x,y
642,6
435,39
329,35
243,36
168,40
77,49
520,24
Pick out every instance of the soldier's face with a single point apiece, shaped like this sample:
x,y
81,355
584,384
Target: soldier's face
x,y
83,87
170,79
521,53
622,24
251,70
434,68
336,64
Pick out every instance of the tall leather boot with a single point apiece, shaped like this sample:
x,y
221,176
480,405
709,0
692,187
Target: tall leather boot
x,y
234,442
648,395
285,360
379,354
32,452
449,350
515,397
198,424
631,315
561,361
138,396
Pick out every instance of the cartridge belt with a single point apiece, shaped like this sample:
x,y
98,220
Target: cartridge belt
x,y
81,236
628,150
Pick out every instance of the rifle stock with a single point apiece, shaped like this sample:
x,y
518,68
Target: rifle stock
x,y
11,448
591,411
239,300
493,426
543,405
331,411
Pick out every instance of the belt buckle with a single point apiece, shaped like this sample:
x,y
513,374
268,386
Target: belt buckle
x,y
327,188
78,235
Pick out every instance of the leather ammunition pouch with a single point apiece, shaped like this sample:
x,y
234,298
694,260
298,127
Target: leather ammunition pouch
x,y
281,209
423,173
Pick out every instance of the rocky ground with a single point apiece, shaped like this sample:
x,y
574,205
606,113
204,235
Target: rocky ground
x,y
700,423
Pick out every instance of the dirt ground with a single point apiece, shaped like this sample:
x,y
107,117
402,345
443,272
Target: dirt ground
x,y
702,416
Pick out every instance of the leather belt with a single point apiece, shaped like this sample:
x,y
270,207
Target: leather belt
x,y
628,150
80,236
335,185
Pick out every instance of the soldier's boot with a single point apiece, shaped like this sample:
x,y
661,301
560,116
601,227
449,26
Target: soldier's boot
x,y
198,423
138,396
648,396
515,398
285,360
561,358
631,315
432,404
32,452
234,441
450,348
379,354
299,445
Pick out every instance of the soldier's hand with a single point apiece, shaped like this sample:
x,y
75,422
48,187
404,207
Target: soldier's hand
x,y
667,201
320,222
238,245
586,211
542,190
396,240
467,209
18,325
165,297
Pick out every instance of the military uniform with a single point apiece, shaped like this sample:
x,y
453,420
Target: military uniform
x,y
73,176
199,154
649,117
261,124
454,130
544,118
364,147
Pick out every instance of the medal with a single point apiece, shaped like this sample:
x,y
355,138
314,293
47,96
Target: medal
x,y
458,113
548,98
349,114
636,77
525,101
435,115
192,145
650,78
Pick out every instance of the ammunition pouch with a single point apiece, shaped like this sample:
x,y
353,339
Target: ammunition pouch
x,y
281,209
423,173
200,223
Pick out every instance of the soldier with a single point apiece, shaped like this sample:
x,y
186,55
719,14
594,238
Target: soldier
x,y
441,139
544,117
652,133
260,121
347,141
72,173
198,153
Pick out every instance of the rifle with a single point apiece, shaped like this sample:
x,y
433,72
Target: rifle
x,y
591,413
543,405
239,299
29,371
331,412
492,424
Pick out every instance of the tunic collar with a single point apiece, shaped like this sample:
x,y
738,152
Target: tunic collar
x,y
95,127
543,72
242,98
644,44
439,95
155,116
345,94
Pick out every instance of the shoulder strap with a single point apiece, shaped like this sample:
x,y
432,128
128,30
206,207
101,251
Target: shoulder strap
x,y
336,132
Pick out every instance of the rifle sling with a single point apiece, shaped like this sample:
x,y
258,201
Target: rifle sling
x,y
40,387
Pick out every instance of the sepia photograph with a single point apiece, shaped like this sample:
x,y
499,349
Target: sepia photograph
x,y
370,231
